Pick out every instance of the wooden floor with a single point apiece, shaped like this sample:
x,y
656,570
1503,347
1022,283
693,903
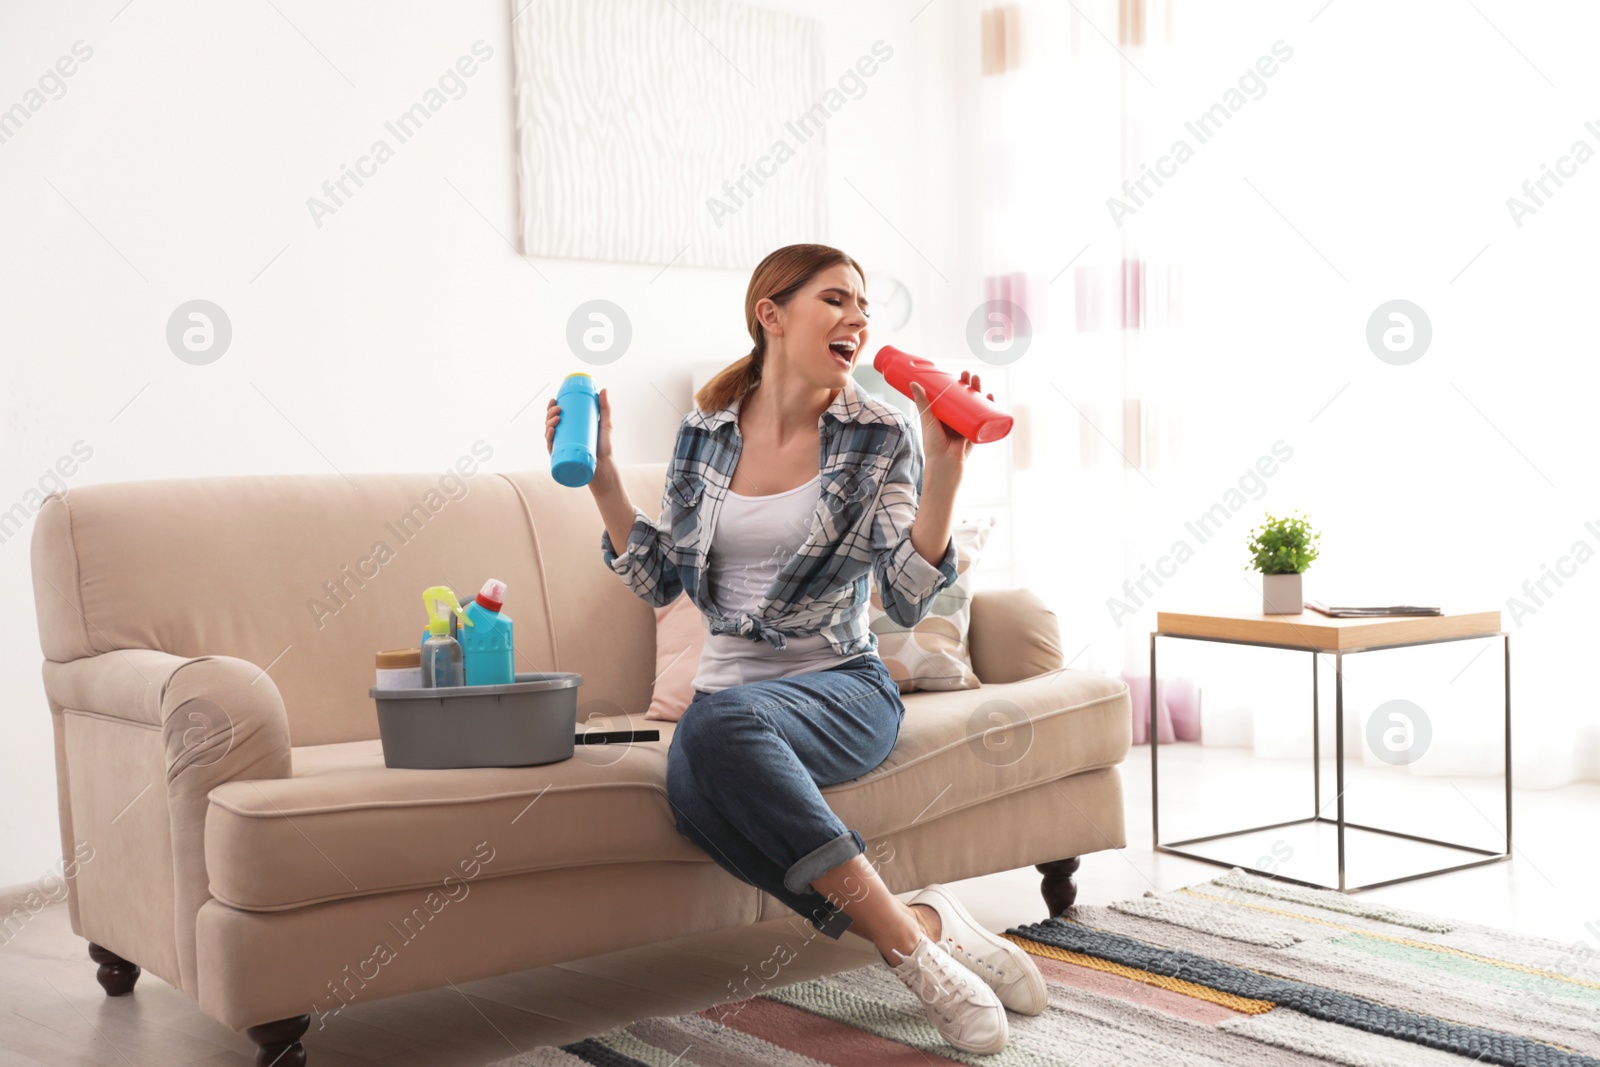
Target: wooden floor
x,y
53,1012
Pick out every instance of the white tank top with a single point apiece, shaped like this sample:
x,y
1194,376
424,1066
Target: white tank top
x,y
755,537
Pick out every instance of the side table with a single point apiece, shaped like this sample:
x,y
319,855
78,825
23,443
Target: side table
x,y
1318,635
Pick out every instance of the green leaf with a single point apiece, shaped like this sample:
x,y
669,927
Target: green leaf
x,y
1283,545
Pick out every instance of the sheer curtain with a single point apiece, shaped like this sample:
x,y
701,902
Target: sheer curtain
x,y
1203,207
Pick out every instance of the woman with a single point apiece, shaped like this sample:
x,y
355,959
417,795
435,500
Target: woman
x,y
787,489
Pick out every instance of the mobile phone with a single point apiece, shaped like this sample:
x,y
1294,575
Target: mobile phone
x,y
616,737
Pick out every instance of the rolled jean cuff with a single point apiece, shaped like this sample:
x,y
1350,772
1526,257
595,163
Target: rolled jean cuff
x,y
821,860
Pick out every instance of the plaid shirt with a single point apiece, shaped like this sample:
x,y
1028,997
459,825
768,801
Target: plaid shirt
x,y
871,470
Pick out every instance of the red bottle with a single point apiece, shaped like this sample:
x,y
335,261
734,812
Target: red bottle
x,y
953,402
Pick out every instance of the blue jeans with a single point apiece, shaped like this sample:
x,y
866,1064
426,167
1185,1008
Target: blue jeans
x,y
746,762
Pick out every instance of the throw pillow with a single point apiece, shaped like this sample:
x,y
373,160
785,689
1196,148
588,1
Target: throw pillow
x,y
933,654
680,635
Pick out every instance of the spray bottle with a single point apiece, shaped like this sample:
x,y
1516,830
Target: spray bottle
x,y
441,653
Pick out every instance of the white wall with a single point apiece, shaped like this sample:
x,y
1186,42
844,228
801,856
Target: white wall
x,y
176,165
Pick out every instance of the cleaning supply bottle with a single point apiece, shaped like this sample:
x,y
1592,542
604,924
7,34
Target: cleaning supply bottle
x,y
954,403
441,653
486,648
572,450
450,617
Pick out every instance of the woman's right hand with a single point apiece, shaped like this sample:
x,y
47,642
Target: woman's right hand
x,y
602,451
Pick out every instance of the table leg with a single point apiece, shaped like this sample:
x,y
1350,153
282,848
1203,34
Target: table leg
x,y
1338,748
1507,661
1155,776
1316,742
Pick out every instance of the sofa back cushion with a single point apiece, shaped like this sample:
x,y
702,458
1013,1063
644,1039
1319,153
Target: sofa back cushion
x,y
602,631
309,575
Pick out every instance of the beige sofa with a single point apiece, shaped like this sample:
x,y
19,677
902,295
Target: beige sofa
x,y
208,648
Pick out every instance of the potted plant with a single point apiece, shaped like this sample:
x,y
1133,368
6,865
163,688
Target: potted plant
x,y
1281,549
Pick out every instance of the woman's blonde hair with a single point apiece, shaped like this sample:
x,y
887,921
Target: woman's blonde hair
x,y
778,277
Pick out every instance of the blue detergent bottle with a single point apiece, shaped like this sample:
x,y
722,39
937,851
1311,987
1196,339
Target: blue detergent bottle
x,y
572,452
487,644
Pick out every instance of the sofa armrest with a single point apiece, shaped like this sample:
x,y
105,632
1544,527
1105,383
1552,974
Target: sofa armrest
x,y
1012,635
221,719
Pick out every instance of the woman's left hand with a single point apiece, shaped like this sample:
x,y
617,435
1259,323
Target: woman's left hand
x,y
942,446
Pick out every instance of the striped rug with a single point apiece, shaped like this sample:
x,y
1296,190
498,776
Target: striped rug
x,y
1237,970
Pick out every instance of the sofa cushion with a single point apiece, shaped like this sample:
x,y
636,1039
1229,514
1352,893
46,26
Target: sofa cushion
x,y
345,825
933,655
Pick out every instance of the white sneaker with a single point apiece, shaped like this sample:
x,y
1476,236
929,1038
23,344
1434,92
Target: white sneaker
x,y
964,1010
1007,969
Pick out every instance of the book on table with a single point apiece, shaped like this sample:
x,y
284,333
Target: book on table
x,y
1367,611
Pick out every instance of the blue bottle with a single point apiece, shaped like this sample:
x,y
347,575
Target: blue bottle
x,y
572,452
487,641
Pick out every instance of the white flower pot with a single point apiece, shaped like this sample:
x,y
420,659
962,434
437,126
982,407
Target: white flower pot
x,y
1280,594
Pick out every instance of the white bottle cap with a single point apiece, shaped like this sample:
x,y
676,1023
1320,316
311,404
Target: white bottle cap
x,y
493,594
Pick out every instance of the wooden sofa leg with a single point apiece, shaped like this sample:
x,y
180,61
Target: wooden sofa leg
x,y
116,975
1058,888
278,1043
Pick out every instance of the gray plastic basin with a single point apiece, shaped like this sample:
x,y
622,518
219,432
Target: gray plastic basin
x,y
531,721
